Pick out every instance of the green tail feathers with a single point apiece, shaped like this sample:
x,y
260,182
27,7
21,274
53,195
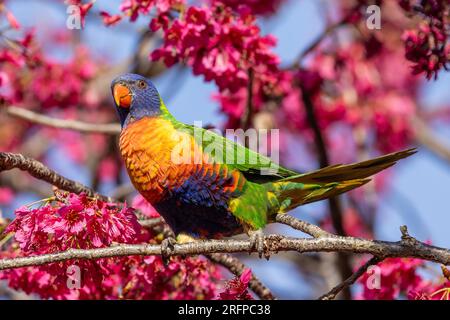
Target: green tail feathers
x,y
327,182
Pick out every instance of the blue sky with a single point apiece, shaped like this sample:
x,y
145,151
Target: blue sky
x,y
420,196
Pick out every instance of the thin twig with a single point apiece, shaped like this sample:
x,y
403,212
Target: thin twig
x,y
150,223
38,170
248,114
350,280
301,225
424,136
85,127
237,267
122,191
328,30
333,202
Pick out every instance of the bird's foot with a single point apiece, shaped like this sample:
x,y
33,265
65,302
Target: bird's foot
x,y
185,238
167,247
257,243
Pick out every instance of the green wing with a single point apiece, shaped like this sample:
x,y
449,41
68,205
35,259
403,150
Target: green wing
x,y
254,166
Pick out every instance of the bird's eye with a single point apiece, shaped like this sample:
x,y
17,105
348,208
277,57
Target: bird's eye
x,y
141,84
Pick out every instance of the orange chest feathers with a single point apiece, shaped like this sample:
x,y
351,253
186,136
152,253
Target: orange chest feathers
x,y
156,156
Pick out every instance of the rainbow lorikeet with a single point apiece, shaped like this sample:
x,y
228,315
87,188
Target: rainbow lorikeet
x,y
204,196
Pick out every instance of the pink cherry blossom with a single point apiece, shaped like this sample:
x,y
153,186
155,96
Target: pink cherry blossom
x,y
108,169
134,8
258,7
398,276
12,20
144,207
6,195
237,288
77,221
110,20
214,43
83,7
427,46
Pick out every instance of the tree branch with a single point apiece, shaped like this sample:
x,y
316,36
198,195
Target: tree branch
x,y
303,226
38,170
333,202
85,127
122,191
273,244
323,241
427,138
328,30
335,208
151,223
248,113
350,280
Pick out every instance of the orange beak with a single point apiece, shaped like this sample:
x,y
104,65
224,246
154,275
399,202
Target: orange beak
x,y
122,95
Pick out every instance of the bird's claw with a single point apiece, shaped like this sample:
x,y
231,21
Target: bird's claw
x,y
257,243
167,247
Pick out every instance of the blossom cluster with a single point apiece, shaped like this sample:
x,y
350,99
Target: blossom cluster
x,y
404,278
52,83
256,7
364,93
134,8
77,221
222,42
220,45
237,288
428,46
31,77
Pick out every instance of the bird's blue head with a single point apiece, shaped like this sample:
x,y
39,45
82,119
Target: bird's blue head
x,y
135,97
